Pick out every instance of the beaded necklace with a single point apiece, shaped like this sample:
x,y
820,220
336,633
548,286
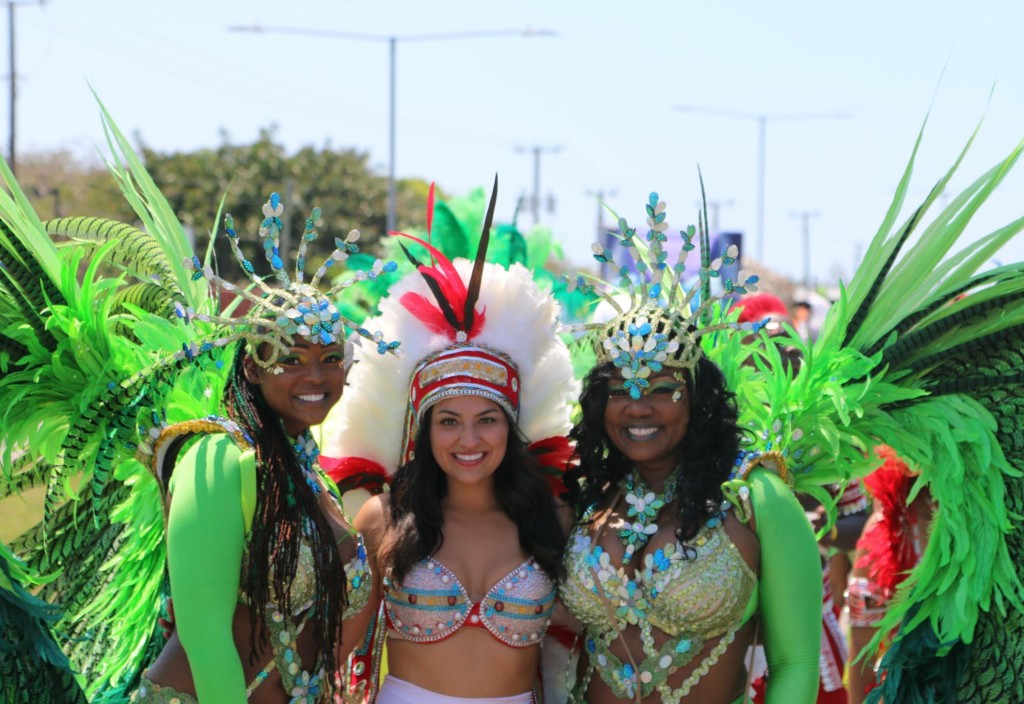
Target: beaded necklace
x,y
307,451
644,505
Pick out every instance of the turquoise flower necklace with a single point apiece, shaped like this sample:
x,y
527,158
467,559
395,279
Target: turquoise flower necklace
x,y
307,451
644,506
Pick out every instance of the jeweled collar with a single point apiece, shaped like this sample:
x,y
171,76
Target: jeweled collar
x,y
644,506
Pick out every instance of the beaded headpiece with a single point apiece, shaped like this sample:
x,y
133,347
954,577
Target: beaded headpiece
x,y
464,369
663,322
467,328
291,308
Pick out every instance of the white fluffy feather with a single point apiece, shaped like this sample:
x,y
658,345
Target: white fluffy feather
x,y
521,321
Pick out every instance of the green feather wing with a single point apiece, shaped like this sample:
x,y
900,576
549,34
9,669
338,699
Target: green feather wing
x,y
88,360
922,353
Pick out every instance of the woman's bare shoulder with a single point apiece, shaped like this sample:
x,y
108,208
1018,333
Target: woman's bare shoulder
x,y
373,513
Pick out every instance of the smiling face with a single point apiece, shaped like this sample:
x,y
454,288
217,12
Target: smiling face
x,y
468,438
303,385
649,431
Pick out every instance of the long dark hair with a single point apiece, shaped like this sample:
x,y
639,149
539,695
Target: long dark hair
x,y
709,448
414,530
285,506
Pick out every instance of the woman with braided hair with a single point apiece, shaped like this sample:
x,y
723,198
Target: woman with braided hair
x,y
268,578
254,536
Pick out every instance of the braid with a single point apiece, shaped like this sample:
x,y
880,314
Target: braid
x,y
287,512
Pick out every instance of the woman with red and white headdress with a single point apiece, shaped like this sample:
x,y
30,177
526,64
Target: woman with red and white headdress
x,y
467,545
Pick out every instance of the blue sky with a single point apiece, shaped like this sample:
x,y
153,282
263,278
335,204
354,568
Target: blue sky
x,y
600,98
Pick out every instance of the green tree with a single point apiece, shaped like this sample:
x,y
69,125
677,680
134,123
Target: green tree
x,y
59,183
341,183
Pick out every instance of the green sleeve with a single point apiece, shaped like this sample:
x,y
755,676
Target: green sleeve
x,y
205,542
790,591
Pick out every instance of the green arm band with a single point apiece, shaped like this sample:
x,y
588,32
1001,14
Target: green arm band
x,y
205,542
790,591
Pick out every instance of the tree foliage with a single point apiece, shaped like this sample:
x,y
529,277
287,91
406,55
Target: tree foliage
x,y
59,183
340,182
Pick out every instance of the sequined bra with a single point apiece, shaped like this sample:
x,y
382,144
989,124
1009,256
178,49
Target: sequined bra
x,y
284,632
431,604
693,598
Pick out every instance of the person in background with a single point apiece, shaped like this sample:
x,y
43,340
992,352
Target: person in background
x,y
802,312
893,540
835,545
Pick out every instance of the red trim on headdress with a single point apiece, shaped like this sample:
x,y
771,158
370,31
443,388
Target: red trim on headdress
x,y
475,369
355,473
553,454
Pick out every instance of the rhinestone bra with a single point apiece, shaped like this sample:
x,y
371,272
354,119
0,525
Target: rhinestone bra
x,y
431,604
696,598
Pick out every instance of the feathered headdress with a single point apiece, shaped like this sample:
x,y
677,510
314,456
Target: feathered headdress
x,y
663,321
293,307
466,328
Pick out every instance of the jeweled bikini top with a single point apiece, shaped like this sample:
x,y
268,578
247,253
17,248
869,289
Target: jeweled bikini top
x,y
303,585
431,604
701,594
694,594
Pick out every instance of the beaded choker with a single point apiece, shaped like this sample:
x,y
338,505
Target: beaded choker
x,y
644,505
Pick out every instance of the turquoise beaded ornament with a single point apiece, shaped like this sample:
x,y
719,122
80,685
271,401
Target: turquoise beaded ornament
x,y
292,308
663,322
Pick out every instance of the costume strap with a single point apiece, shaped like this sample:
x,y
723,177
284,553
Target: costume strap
x,y
172,440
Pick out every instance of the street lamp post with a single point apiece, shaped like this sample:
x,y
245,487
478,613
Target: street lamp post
x,y
392,42
762,123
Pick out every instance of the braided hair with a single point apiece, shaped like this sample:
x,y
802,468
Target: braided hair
x,y
710,446
287,514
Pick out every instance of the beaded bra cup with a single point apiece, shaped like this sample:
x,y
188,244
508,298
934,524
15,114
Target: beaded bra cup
x,y
304,686
431,604
695,599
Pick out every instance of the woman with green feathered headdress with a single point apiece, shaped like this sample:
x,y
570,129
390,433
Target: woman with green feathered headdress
x,y
263,567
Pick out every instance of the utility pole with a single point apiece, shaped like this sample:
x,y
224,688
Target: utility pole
x,y
13,77
392,41
14,86
805,217
603,236
762,125
537,150
599,196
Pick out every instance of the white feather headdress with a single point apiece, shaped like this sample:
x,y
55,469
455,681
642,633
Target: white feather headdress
x,y
519,321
